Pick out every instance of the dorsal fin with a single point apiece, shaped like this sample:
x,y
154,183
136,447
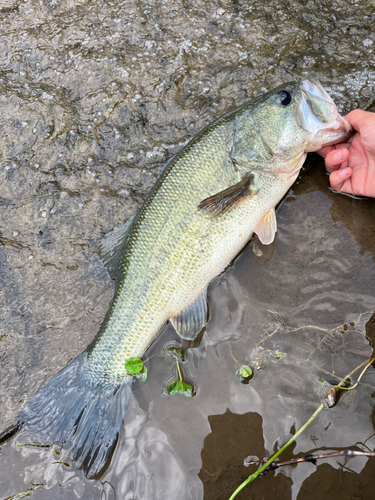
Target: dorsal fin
x,y
109,248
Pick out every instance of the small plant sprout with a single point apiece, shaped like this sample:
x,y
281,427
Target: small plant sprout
x,y
135,366
180,386
245,373
176,353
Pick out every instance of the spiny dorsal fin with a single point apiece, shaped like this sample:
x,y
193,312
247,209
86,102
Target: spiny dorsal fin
x,y
189,322
267,227
231,197
109,249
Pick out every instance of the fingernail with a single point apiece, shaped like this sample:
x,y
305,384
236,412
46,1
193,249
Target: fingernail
x,y
339,156
344,173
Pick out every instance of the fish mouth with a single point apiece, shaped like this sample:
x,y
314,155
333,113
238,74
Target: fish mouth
x,y
318,115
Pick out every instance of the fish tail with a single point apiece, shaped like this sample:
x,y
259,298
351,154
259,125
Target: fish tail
x,y
84,412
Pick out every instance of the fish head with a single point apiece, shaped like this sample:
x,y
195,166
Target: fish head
x,y
294,119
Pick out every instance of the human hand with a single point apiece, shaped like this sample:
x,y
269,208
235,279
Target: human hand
x,y
351,164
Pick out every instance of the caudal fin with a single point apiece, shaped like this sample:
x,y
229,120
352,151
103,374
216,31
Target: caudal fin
x,y
77,409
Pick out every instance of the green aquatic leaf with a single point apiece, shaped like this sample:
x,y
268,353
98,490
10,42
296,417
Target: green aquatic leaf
x,y
187,390
142,375
134,365
244,374
245,371
176,353
181,387
174,387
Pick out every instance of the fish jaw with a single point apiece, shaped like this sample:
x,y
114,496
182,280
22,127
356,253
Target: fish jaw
x,y
318,115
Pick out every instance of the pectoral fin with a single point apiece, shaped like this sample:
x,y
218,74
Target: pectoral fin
x,y
189,322
224,201
267,227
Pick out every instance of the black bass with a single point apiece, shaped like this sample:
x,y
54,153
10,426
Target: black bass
x,y
210,198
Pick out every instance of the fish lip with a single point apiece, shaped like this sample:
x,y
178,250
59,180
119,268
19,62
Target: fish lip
x,y
334,127
339,125
339,130
314,87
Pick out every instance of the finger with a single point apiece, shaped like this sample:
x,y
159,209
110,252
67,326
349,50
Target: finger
x,y
335,158
364,123
325,150
337,178
358,118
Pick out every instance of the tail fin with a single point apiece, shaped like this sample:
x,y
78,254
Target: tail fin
x,y
75,408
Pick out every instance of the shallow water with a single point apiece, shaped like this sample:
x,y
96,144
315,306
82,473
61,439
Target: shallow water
x,y
94,98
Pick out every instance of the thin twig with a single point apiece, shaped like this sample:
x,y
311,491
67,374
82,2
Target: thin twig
x,y
365,368
361,375
369,103
313,458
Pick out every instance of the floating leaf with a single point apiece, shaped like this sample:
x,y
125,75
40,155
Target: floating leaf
x,y
176,353
133,366
142,375
187,390
181,387
174,387
245,373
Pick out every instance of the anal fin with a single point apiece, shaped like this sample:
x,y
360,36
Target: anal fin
x,y
189,322
267,227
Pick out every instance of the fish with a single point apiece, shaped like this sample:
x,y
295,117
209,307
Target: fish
x,y
210,198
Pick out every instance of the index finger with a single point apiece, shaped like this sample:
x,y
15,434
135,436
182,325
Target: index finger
x,y
325,150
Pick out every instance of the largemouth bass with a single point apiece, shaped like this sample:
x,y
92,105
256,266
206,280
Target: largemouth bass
x,y
208,201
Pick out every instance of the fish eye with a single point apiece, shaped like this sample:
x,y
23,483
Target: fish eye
x,y
285,97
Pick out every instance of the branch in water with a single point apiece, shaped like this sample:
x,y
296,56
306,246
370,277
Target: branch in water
x,y
312,459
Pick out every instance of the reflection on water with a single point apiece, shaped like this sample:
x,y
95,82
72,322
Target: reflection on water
x,y
231,437
94,98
